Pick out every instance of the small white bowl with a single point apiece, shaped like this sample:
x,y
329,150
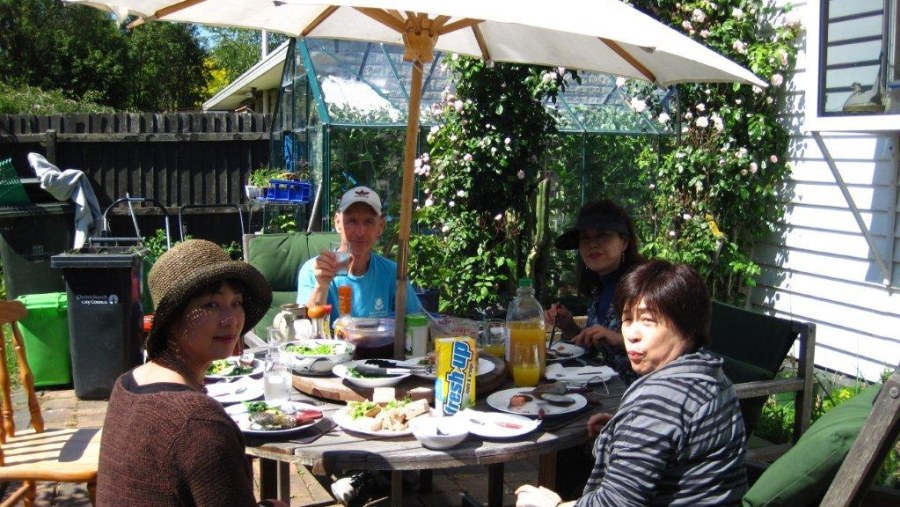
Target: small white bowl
x,y
453,431
340,370
313,364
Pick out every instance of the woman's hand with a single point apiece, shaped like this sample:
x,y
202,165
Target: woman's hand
x,y
598,335
561,316
530,496
596,424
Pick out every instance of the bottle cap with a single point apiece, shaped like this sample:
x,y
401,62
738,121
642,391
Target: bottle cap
x,y
416,320
524,282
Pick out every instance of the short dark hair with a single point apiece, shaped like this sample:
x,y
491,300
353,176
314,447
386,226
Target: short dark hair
x,y
675,292
586,279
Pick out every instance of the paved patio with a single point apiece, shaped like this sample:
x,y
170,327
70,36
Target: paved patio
x,y
61,408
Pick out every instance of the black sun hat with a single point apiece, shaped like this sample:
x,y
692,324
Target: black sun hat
x,y
188,267
596,219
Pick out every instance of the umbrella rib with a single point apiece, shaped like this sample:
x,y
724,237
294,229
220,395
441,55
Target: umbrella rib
x,y
482,45
165,11
619,50
458,25
390,19
325,14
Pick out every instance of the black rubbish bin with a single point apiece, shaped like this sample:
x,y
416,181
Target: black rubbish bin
x,y
103,286
29,236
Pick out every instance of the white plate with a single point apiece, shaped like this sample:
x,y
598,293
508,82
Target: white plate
x,y
500,401
342,418
240,416
570,349
484,366
341,371
588,374
498,425
227,392
258,367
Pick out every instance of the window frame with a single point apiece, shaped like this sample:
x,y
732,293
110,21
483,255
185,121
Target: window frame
x,y
814,81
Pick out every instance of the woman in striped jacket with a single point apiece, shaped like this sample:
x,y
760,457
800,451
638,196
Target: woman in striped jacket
x,y
678,436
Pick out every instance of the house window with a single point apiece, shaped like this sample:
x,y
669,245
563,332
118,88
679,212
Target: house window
x,y
857,57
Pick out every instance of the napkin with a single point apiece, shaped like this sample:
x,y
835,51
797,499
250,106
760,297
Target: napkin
x,y
556,371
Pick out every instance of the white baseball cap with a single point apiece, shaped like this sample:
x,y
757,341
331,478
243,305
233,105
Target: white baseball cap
x,y
361,194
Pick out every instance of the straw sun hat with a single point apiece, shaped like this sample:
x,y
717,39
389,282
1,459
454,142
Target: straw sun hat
x,y
188,267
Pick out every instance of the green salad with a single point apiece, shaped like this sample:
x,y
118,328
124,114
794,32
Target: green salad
x,y
324,349
228,368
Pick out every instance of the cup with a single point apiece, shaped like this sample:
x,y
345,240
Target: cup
x,y
274,339
493,337
525,362
277,382
342,254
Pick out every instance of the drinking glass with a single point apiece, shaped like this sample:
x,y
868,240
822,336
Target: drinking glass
x,y
277,381
493,338
342,254
525,362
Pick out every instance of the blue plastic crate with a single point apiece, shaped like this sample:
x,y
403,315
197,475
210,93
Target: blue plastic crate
x,y
288,191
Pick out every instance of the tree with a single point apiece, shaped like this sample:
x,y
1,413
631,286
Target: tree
x,y
233,51
75,49
166,67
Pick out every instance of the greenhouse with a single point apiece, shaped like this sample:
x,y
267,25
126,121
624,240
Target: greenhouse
x,y
341,114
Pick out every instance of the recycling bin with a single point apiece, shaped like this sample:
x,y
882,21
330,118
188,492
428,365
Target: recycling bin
x,y
29,236
45,332
103,288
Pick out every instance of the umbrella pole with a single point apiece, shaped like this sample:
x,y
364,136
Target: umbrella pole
x,y
406,198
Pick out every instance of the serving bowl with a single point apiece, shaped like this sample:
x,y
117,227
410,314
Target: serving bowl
x,y
317,357
439,432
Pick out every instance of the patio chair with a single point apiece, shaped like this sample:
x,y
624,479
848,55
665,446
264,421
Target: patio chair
x,y
38,453
754,346
279,257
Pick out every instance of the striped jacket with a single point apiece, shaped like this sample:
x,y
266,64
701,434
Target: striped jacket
x,y
677,439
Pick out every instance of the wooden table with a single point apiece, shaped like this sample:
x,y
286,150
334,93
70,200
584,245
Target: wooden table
x,y
338,451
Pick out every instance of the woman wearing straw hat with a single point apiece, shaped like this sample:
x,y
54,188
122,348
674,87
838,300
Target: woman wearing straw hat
x,y
165,442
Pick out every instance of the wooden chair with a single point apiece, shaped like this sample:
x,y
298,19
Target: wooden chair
x,y
754,347
38,453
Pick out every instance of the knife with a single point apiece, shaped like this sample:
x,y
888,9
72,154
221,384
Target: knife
x,y
376,371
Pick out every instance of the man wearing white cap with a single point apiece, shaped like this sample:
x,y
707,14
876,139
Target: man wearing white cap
x,y
360,223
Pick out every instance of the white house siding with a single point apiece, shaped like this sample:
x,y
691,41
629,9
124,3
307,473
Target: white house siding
x,y
818,266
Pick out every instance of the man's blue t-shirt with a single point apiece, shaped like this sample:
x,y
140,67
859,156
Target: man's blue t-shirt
x,y
374,293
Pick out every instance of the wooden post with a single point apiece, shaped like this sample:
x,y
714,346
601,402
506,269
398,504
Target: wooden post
x,y
50,140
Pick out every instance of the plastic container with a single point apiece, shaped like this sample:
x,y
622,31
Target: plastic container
x,y
373,338
45,331
29,236
417,342
288,191
103,285
525,322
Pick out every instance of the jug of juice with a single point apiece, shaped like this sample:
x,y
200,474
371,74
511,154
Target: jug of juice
x,y
525,323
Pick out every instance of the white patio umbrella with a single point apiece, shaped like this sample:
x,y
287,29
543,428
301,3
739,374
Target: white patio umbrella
x,y
594,35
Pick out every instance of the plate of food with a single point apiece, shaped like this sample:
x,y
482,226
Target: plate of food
x,y
348,371
266,419
498,424
563,350
530,401
242,389
390,419
317,357
235,366
483,366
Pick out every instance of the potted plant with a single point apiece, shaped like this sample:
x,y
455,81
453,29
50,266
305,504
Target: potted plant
x,y
259,179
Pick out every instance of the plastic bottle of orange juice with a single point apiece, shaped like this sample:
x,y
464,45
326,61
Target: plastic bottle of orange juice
x,y
525,323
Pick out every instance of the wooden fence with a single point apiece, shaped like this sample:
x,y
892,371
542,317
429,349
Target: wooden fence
x,y
188,158
176,158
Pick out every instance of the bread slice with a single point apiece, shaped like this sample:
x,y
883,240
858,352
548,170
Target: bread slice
x,y
416,408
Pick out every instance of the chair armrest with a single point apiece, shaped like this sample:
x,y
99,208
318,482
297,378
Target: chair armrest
x,y
767,387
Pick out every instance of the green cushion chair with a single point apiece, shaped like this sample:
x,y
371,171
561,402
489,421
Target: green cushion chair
x,y
802,475
279,257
